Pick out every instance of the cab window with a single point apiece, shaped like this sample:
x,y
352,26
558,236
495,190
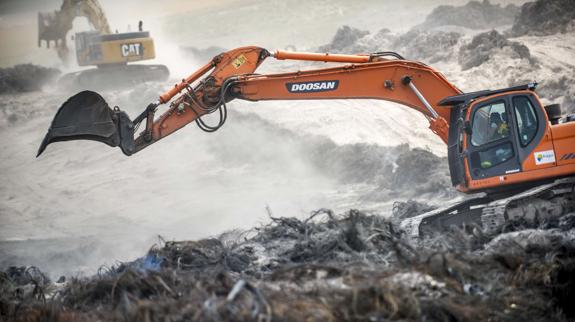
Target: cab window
x,y
490,123
527,122
485,159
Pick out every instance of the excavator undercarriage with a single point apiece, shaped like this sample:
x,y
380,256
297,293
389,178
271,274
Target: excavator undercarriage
x,y
114,76
491,214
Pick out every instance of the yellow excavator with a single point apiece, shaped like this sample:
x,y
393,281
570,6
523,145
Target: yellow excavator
x,y
110,52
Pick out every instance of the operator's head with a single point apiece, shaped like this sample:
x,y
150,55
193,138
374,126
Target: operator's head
x,y
495,118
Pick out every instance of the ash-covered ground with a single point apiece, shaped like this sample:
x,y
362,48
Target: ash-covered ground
x,y
351,267
89,213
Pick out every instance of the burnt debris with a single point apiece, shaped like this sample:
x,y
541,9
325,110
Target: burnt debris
x,y
349,267
545,17
25,78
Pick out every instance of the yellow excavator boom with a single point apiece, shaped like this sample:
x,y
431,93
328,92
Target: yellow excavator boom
x,y
53,26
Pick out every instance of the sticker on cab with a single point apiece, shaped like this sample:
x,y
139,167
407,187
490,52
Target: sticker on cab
x,y
238,62
544,157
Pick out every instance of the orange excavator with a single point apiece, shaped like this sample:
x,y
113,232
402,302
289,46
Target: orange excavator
x,y
503,143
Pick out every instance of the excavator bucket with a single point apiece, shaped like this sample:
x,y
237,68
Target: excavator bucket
x,y
87,116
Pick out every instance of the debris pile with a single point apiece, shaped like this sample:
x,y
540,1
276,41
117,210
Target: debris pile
x,y
421,172
353,163
25,78
473,15
397,172
351,267
485,45
545,17
410,208
430,46
345,40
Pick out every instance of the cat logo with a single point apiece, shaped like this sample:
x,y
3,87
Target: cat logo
x,y
132,50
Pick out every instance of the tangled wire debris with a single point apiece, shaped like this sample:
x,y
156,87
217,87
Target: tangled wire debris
x,y
328,267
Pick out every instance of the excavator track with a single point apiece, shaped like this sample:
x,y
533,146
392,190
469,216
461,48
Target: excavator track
x,y
115,77
538,204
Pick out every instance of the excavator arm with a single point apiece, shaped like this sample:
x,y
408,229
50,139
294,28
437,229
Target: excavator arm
x,y
230,75
493,167
368,77
53,26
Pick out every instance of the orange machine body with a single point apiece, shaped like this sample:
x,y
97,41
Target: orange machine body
x,y
558,138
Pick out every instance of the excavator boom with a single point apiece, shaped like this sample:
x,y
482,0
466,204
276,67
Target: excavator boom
x,y
231,76
53,26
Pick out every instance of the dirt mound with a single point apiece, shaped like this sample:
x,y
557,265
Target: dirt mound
x,y
394,172
428,45
420,171
25,78
351,267
473,15
345,40
485,45
545,17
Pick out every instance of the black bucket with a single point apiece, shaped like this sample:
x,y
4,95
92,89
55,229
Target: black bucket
x,y
87,116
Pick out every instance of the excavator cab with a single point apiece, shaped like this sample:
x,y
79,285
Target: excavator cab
x,y
500,136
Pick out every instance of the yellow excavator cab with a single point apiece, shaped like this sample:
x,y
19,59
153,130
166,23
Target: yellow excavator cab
x,y
93,48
